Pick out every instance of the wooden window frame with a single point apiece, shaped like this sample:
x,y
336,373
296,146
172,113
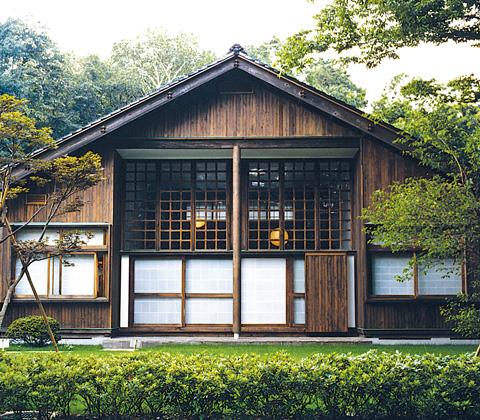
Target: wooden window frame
x,y
289,291
182,294
316,228
378,250
100,281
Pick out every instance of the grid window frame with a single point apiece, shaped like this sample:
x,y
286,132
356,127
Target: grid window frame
x,y
287,204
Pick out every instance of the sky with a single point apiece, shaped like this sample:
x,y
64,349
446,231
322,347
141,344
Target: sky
x,y
92,26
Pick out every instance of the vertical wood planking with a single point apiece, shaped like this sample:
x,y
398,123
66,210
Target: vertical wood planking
x,y
326,293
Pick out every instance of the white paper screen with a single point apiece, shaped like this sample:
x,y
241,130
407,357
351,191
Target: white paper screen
x,y
263,291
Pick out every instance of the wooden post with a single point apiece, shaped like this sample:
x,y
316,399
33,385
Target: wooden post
x,y
236,241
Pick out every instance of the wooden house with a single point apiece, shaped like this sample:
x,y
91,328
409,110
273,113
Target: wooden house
x,y
230,205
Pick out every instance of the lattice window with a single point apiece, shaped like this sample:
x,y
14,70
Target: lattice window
x,y
290,205
334,208
140,206
175,205
264,205
299,204
211,205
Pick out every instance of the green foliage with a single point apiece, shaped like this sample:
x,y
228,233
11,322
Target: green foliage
x,y
334,80
368,31
323,75
155,58
464,312
437,216
32,331
371,386
66,92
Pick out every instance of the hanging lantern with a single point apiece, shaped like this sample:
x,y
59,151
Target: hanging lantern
x,y
275,237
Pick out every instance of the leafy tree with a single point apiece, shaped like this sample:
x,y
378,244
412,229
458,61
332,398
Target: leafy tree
x,y
335,81
322,74
437,215
155,58
95,89
63,178
32,68
367,31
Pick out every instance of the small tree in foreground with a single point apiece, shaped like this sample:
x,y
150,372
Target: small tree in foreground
x,y
63,178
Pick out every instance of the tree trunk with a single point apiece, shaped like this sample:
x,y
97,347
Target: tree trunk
x,y
8,298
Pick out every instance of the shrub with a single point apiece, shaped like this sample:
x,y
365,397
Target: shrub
x,y
372,386
32,331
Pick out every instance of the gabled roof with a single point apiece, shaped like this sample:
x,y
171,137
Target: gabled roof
x,y
235,59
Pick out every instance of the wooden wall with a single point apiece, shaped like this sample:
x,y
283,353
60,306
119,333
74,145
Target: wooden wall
x,y
414,314
99,199
208,113
98,208
326,293
70,314
380,167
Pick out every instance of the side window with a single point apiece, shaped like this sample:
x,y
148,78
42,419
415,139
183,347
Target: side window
x,y
81,274
385,267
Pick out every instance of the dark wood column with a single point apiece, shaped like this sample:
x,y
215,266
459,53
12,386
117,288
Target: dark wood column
x,y
236,241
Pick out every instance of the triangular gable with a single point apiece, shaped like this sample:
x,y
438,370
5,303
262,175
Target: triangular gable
x,y
235,60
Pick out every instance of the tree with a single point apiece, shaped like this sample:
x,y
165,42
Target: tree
x,y
63,178
438,215
324,75
367,31
32,68
155,58
335,81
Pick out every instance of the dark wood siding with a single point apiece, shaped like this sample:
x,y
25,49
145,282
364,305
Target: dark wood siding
x,y
70,315
98,200
98,208
407,315
380,167
209,114
326,293
5,257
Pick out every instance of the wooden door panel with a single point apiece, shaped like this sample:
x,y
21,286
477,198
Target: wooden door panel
x,y
326,292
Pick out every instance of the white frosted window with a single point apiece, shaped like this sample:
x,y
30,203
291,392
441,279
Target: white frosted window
x,y
39,273
263,291
158,276
435,283
34,234
97,239
209,276
77,279
299,310
157,310
385,267
209,310
299,276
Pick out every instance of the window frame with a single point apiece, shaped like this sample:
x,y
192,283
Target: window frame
x,y
338,235
100,260
289,291
379,250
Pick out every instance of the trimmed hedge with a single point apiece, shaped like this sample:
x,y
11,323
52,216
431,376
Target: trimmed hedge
x,y
32,331
160,385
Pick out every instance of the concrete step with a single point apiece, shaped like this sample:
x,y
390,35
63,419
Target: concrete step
x,y
142,342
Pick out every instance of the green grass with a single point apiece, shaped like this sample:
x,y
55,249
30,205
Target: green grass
x,y
297,352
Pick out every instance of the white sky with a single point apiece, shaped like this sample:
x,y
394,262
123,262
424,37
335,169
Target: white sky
x,y
92,26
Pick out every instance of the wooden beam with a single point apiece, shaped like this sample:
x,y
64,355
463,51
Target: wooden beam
x,y
236,241
243,142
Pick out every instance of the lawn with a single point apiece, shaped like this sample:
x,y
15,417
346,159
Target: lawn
x,y
297,352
